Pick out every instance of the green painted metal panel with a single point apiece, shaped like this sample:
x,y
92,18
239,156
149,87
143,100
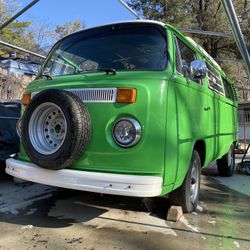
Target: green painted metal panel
x,y
171,110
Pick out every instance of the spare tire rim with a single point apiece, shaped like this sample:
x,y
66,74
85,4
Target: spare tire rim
x,y
47,128
194,185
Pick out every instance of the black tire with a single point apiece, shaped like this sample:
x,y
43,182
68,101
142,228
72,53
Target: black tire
x,y
76,133
2,167
182,196
226,165
2,164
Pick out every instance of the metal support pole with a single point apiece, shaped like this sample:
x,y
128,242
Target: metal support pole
x,y
206,32
194,31
129,9
23,50
238,36
18,14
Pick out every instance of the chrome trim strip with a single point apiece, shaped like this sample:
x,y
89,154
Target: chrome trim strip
x,y
9,117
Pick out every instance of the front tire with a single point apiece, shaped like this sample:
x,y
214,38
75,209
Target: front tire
x,y
226,165
187,195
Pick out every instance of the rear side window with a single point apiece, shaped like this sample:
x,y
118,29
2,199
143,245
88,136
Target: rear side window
x,y
184,57
214,80
228,89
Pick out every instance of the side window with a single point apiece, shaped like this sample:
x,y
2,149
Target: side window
x,y
178,57
228,89
214,80
184,57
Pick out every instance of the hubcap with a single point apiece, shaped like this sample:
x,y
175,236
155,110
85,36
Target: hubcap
x,y
194,185
47,128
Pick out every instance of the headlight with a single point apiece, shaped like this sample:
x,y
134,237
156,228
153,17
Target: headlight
x,y
19,127
126,132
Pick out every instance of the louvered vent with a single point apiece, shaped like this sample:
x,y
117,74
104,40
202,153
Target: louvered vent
x,y
101,95
235,93
95,94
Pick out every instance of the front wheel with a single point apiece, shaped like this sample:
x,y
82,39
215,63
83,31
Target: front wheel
x,y
226,165
187,194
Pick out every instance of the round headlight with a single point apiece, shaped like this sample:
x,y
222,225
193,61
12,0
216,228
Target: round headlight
x,y
19,127
126,132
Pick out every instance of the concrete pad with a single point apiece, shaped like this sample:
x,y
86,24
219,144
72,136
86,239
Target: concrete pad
x,y
239,183
42,217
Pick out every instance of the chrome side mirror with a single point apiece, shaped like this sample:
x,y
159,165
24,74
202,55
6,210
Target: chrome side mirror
x,y
198,69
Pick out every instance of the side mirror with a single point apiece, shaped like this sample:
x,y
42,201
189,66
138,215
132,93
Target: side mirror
x,y
198,69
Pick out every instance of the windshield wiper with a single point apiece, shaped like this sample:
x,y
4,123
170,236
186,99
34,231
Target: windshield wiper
x,y
113,71
107,70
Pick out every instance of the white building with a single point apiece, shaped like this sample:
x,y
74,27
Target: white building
x,y
244,121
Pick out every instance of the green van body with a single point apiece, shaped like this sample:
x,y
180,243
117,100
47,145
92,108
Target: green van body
x,y
176,114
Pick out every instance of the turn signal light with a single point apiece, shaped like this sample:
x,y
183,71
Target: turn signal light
x,y
26,99
126,95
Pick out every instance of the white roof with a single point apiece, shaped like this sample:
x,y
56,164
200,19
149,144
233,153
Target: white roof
x,y
128,21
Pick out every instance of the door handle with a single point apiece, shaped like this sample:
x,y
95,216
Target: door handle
x,y
207,108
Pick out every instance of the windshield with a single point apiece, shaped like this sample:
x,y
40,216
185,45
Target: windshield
x,y
126,48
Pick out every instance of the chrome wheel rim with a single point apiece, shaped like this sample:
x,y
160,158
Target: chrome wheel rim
x,y
194,182
47,128
231,157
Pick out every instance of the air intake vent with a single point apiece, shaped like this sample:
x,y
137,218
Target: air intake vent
x,y
100,95
95,94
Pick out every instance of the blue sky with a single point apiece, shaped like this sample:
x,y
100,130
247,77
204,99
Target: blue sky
x,y
91,12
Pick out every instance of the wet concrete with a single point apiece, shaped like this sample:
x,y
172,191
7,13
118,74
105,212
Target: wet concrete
x,y
35,216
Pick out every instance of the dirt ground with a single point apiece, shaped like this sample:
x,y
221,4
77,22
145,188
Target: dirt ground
x,y
34,216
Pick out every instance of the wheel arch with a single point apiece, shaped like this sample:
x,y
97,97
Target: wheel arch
x,y
200,147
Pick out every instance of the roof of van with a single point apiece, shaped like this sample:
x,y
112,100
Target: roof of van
x,y
129,21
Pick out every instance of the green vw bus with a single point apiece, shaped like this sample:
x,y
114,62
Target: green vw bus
x,y
133,108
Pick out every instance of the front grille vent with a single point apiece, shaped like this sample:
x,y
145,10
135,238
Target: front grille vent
x,y
98,95
95,94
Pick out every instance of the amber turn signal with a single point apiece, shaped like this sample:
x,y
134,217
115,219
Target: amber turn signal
x,y
126,95
26,99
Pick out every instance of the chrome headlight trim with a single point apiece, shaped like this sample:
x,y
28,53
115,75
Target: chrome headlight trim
x,y
137,128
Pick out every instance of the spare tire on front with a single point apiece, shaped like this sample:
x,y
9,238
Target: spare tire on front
x,y
56,129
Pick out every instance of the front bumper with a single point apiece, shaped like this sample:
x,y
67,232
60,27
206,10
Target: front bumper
x,y
118,184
